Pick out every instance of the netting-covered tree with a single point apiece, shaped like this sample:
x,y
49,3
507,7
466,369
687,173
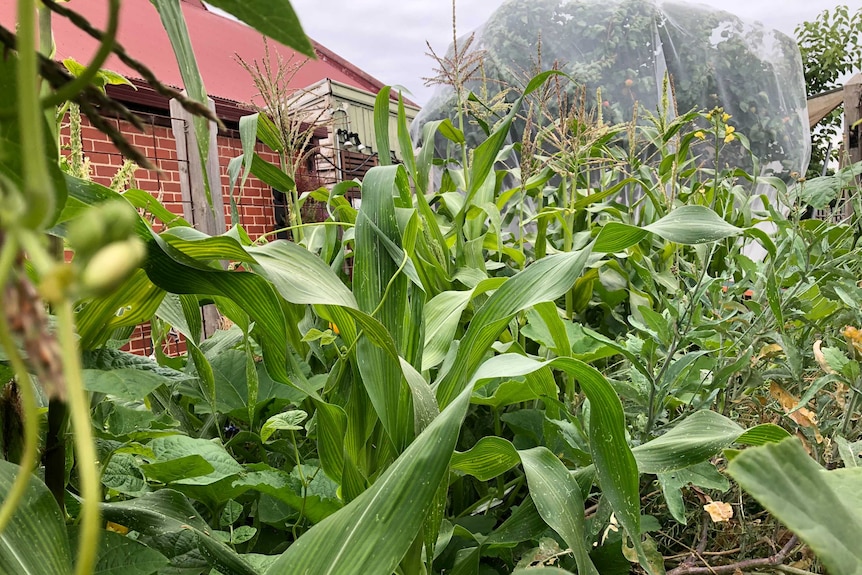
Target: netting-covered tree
x,y
621,50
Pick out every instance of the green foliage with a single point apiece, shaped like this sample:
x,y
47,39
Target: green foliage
x,y
539,371
831,48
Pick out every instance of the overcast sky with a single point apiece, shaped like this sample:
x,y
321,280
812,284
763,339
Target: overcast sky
x,y
387,39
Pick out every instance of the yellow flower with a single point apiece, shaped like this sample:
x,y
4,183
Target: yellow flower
x,y
730,130
334,328
725,117
709,115
699,134
729,138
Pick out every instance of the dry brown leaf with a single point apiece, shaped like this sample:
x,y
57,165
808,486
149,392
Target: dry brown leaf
x,y
766,352
719,511
854,337
840,394
802,416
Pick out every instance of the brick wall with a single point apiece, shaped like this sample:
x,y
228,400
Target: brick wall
x,y
255,204
157,143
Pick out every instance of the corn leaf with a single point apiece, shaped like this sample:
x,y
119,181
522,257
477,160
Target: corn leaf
x,y
824,508
542,281
34,542
373,532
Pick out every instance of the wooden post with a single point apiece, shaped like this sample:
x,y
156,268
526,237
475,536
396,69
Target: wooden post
x,y
196,207
852,115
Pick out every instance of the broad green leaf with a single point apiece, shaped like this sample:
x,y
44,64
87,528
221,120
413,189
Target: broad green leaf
x,y
271,175
120,555
693,224
106,359
167,511
273,18
288,421
490,457
614,462
124,475
557,497
824,508
537,385
130,384
382,291
616,237
178,469
697,438
851,453
34,542
146,201
134,302
689,224
248,137
373,532
287,488
300,276
204,248
180,446
703,474
251,292
545,280
442,316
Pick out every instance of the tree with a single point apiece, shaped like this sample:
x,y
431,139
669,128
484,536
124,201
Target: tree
x,y
831,47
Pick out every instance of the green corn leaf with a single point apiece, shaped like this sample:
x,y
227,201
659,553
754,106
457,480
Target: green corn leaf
x,y
381,290
373,532
273,18
557,497
442,316
34,542
381,125
824,508
271,175
251,292
614,462
690,225
542,281
405,144
248,137
490,457
174,24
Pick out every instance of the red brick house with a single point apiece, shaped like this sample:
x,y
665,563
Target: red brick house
x,y
217,42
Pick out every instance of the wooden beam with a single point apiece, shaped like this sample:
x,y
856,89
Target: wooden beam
x,y
196,208
821,105
852,115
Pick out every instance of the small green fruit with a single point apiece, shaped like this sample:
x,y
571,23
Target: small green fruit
x,y
101,225
112,265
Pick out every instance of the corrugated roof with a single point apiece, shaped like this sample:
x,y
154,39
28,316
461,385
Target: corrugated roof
x,y
216,40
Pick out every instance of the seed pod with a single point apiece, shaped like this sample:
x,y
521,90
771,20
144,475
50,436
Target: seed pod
x,y
112,265
101,225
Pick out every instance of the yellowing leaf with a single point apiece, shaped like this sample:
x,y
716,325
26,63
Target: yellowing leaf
x,y
854,337
802,416
766,352
719,511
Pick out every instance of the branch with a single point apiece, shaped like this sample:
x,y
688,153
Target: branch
x,y
193,106
746,565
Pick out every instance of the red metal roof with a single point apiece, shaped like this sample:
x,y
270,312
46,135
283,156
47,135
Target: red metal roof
x,y
216,40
